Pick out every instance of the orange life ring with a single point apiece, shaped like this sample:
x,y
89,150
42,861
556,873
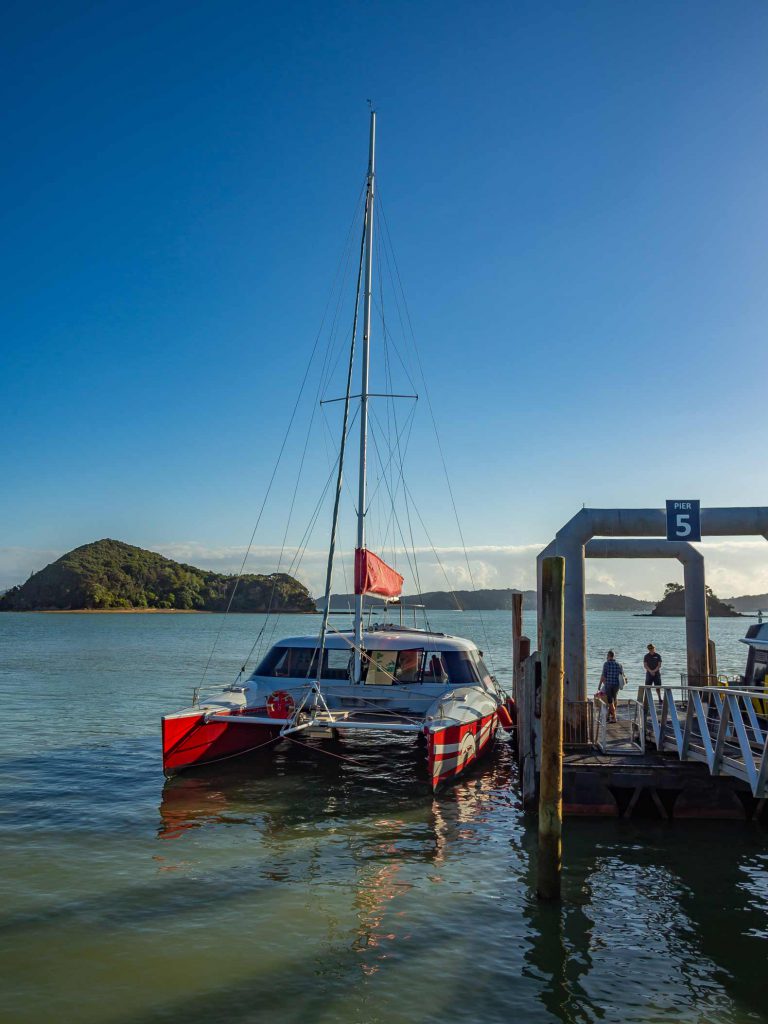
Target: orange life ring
x,y
280,704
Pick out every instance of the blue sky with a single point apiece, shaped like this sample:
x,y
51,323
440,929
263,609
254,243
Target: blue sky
x,y
578,203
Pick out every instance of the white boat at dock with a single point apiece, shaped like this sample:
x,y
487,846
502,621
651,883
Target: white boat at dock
x,y
434,686
380,680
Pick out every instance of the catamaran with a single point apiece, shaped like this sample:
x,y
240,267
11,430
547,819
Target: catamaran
x,y
380,679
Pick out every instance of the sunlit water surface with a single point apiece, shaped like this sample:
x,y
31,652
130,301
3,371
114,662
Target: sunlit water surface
x,y
310,888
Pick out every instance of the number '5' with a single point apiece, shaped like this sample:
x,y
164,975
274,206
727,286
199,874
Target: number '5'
x,y
683,524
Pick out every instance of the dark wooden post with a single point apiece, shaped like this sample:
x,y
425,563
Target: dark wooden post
x,y
551,777
517,632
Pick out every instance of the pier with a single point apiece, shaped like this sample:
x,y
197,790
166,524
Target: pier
x,y
697,750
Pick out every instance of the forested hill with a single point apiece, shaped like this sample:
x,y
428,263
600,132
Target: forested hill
x,y
111,574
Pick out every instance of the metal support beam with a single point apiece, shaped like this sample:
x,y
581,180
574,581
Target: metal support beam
x,y
648,522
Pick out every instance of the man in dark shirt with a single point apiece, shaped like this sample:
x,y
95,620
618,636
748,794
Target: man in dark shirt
x,y
652,666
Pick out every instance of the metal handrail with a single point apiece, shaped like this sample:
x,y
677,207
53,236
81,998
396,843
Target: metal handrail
x,y
637,726
578,725
601,729
724,727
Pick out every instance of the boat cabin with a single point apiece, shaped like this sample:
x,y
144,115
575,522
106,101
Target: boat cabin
x,y
392,655
757,658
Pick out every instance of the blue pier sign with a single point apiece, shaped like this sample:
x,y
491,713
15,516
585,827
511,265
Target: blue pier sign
x,y
683,520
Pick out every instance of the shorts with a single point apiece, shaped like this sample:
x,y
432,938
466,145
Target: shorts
x,y
651,680
611,691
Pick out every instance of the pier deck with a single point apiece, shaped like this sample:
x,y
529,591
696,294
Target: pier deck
x,y
701,753
669,761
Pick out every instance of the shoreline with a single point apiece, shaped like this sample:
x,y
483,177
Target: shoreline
x,y
140,611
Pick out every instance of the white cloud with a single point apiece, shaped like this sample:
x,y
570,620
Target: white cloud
x,y
604,580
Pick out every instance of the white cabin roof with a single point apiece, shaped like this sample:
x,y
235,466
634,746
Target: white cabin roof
x,y
757,636
388,639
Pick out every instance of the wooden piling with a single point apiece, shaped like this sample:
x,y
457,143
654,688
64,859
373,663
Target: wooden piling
x,y
529,731
517,632
551,775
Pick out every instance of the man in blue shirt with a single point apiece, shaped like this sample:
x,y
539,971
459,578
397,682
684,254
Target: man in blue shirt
x,y
610,683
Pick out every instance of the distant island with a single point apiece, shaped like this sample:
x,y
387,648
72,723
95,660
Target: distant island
x,y
673,603
749,604
483,600
109,575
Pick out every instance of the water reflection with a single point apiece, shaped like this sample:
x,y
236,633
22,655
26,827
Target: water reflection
x,y
360,851
301,785
306,888
646,931
389,899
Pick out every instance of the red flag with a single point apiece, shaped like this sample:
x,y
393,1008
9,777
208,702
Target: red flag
x,y
372,576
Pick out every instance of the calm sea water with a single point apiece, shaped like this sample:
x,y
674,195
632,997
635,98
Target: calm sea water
x,y
307,888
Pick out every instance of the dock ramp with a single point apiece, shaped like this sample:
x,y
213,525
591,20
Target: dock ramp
x,y
721,725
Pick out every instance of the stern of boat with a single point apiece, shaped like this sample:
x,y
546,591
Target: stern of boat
x,y
462,729
191,738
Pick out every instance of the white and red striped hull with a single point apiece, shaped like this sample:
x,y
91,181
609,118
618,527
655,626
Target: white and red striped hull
x,y
453,749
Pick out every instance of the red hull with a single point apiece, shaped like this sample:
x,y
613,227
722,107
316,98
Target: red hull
x,y
188,740
453,749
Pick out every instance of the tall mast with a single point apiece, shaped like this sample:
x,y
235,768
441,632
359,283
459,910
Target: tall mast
x,y
364,386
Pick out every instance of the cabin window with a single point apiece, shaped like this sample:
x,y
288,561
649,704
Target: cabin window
x,y
434,668
337,664
462,670
301,663
760,668
387,667
408,668
485,675
288,663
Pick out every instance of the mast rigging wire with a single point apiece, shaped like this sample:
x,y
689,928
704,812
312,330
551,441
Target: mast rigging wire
x,y
340,477
298,555
343,260
434,426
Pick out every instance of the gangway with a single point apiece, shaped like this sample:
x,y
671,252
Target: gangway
x,y
723,726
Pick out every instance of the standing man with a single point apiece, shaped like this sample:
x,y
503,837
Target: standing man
x,y
609,680
652,666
